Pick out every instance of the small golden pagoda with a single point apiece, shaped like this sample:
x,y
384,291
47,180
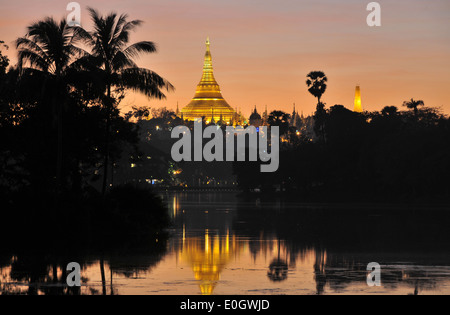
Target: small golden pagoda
x,y
208,101
358,105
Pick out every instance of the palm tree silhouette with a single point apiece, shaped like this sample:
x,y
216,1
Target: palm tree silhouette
x,y
47,53
414,104
114,63
317,84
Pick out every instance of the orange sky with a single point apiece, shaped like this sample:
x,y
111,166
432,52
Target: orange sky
x,y
262,50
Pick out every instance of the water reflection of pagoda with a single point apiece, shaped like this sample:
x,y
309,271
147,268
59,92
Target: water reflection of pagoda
x,y
208,256
207,250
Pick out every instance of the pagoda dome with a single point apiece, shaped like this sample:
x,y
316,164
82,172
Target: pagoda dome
x,y
255,119
255,116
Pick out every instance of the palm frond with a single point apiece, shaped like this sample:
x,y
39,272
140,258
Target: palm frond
x,y
117,29
96,18
35,60
121,61
80,35
26,43
146,82
134,50
124,35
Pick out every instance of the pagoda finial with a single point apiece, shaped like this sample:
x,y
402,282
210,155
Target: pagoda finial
x,y
207,66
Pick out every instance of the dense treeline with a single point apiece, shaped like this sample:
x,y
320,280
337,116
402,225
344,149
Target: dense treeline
x,y
380,156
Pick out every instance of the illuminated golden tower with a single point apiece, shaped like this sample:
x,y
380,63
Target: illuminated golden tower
x,y
358,106
208,101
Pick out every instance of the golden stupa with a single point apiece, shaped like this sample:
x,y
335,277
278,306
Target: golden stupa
x,y
208,102
358,105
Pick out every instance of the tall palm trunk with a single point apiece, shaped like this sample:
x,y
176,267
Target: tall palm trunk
x,y
107,141
59,153
102,272
58,103
322,123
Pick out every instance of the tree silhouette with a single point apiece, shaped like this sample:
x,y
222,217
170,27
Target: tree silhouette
x,y
320,117
4,60
389,111
317,84
414,104
278,268
114,61
280,119
47,53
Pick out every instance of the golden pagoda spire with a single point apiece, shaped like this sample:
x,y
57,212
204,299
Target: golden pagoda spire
x,y
208,75
208,94
358,105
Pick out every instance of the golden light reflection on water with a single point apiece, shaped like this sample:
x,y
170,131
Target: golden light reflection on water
x,y
225,262
207,254
215,261
208,257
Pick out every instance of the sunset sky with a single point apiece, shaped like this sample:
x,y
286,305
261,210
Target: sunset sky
x,y
263,49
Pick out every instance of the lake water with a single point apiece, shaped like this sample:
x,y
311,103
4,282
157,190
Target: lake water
x,y
222,245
